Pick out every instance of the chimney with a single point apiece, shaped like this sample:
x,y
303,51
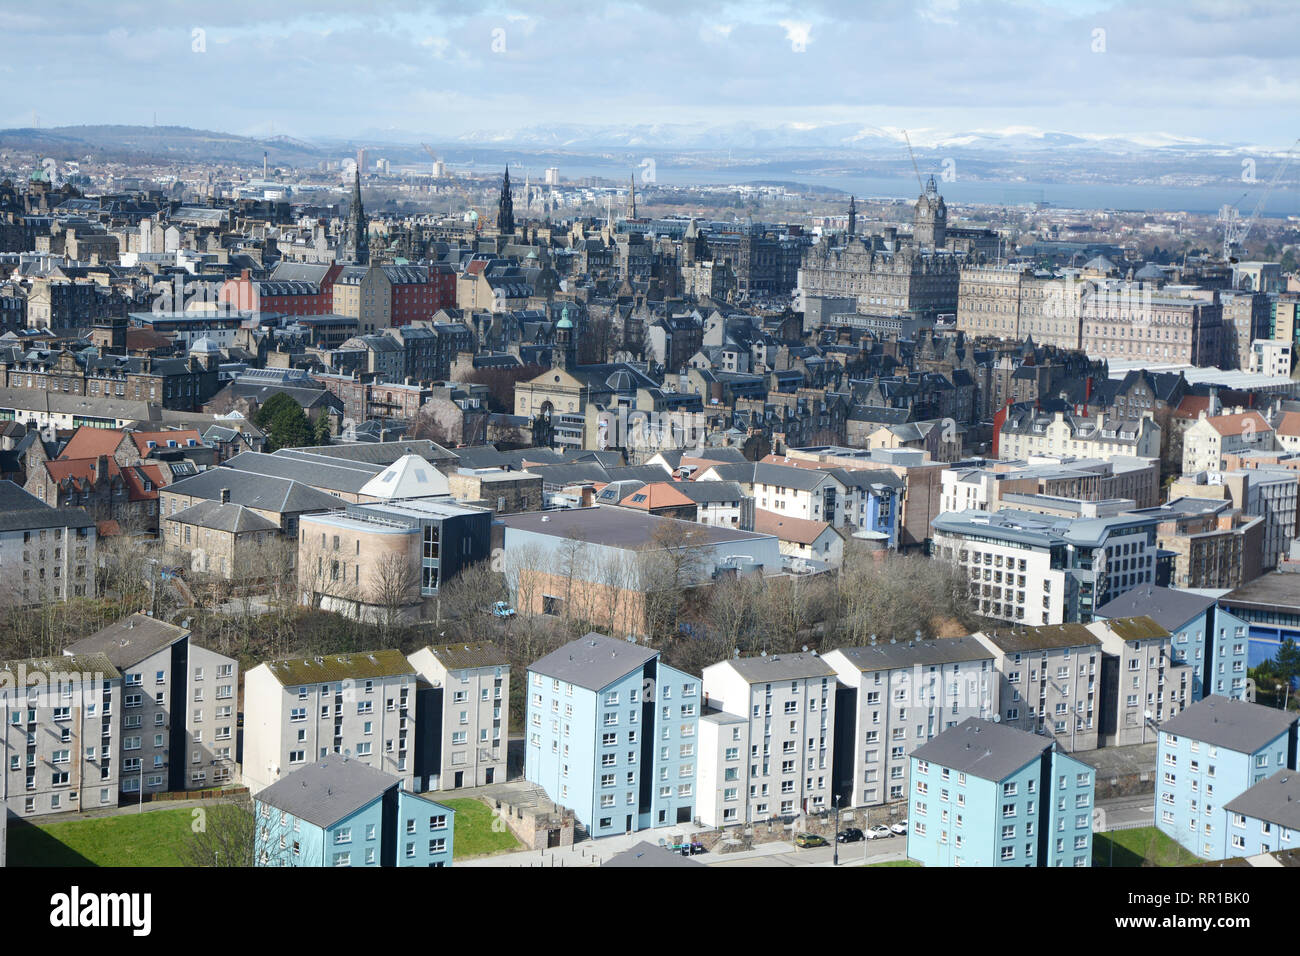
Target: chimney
x,y
225,496
101,468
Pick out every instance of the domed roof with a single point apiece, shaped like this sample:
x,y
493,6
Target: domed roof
x,y
565,322
620,381
204,346
1100,264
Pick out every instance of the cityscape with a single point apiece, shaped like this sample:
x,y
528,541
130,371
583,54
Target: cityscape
x,y
499,463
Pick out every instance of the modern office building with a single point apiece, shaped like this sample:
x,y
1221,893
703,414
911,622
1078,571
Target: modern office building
x,y
612,734
984,794
1209,755
336,811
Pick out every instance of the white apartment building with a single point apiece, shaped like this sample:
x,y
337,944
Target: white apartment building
x,y
1049,681
299,709
788,701
906,694
177,720
466,689
46,554
1030,432
60,734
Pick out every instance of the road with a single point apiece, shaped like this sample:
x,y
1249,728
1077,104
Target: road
x,y
1123,811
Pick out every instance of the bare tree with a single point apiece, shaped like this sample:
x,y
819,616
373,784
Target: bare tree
x,y
394,589
223,834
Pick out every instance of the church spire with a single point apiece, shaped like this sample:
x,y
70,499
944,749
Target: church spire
x,y
631,197
506,207
357,247
853,217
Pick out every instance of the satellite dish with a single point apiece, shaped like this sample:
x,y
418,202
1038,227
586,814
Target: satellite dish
x,y
997,718
1146,714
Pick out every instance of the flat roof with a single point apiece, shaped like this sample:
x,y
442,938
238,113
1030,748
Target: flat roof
x,y
622,528
1276,590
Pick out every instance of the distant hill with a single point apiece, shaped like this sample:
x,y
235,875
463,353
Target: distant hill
x,y
141,143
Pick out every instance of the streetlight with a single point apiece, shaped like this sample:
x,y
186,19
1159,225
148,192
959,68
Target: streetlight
x,y
835,858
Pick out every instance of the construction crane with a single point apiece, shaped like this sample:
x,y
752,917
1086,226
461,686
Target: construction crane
x,y
907,139
433,170
1235,229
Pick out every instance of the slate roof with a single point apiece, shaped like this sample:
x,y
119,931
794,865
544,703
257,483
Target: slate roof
x,y
1016,640
21,511
1232,724
130,640
263,492
774,667
457,657
983,749
1168,607
1275,799
328,790
218,516
885,656
594,661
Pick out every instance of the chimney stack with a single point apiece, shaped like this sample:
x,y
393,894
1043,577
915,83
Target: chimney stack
x,y
225,496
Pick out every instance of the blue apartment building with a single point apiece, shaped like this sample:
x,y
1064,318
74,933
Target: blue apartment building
x,y
1213,641
1266,818
983,794
1209,755
339,812
612,735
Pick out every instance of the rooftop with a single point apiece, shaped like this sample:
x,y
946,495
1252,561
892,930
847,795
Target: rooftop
x,y
129,640
1232,724
328,790
295,671
983,749
594,661
1275,799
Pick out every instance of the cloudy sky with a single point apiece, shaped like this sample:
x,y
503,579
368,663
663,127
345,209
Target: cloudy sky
x,y
1217,70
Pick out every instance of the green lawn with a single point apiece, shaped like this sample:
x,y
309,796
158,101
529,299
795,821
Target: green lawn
x,y
129,839
474,834
1143,846
894,863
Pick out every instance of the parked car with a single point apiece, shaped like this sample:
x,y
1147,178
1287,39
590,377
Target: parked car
x,y
849,835
502,609
878,831
805,840
900,828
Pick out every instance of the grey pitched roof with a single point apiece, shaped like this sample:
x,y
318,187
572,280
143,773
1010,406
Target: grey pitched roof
x,y
983,749
648,854
1232,724
1168,607
220,516
129,640
313,470
1275,799
263,492
21,511
885,656
1012,640
594,661
773,667
328,790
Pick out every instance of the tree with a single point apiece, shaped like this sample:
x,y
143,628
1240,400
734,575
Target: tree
x,y
285,423
1287,660
223,834
394,588
323,430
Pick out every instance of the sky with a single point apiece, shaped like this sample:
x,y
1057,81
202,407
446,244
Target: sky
x,y
1222,71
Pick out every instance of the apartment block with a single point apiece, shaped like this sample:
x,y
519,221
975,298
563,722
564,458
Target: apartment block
x,y
1209,639
985,794
612,735
46,554
1049,681
788,702
1266,817
1141,683
60,733
337,811
178,716
899,696
462,708
1209,755
297,710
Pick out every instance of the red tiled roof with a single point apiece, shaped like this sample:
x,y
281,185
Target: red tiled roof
x,y
798,530
659,494
1236,424
79,474
1289,425
180,435
89,442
